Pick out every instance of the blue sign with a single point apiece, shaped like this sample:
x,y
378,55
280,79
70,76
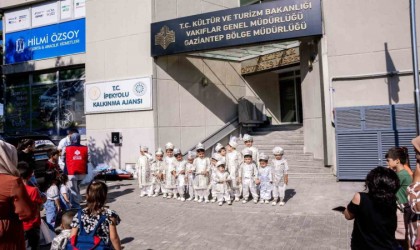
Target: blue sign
x,y
45,42
276,20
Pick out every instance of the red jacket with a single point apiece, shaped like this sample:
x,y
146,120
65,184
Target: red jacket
x,y
76,159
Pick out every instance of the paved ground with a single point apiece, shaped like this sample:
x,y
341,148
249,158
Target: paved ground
x,y
305,222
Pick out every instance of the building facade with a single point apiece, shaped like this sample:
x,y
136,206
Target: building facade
x,y
360,58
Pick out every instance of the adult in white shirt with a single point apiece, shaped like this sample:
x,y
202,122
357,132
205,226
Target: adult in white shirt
x,y
62,147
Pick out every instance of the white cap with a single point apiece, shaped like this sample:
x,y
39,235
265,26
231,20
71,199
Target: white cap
x,y
218,147
159,151
216,156
144,148
199,146
233,142
264,157
221,162
247,151
169,145
247,137
278,151
191,155
177,151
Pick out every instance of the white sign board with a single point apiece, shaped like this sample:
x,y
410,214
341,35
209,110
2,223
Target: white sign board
x,y
44,14
66,9
119,95
79,8
17,20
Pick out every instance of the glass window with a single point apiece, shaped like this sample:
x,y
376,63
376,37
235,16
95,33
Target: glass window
x,y
45,105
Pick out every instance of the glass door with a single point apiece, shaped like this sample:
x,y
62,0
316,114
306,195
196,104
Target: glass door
x,y
290,97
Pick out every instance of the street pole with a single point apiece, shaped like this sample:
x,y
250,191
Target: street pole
x,y
415,62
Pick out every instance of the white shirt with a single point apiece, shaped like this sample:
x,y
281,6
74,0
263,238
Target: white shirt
x,y
62,147
52,193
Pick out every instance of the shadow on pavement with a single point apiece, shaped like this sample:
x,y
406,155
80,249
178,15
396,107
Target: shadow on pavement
x,y
113,195
127,240
289,194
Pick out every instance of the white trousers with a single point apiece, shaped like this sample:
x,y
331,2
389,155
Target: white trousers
x,y
181,190
235,192
202,193
249,185
223,196
279,191
191,192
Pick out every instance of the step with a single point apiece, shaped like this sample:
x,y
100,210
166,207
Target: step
x,y
280,128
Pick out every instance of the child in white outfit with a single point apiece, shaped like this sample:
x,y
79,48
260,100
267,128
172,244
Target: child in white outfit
x,y
157,169
202,168
180,174
248,174
280,177
190,172
265,180
233,160
212,187
222,180
144,173
248,141
170,181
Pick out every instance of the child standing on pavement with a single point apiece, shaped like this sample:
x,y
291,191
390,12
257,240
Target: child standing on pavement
x,y
143,171
212,187
280,176
202,168
265,180
31,227
233,160
221,150
180,174
52,205
248,174
157,169
249,141
222,180
169,174
190,173
396,158
65,194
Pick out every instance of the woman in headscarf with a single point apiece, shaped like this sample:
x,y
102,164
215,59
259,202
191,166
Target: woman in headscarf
x,y
15,205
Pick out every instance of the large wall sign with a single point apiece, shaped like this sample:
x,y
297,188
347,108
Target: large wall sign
x,y
44,42
270,21
120,95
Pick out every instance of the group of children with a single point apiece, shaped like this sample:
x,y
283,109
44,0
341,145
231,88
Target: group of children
x,y
224,177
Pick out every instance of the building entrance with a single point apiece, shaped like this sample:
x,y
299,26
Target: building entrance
x,y
290,97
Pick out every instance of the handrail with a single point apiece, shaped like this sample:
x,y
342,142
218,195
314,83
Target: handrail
x,y
234,123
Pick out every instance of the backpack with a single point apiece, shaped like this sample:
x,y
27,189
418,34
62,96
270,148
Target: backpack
x,y
87,241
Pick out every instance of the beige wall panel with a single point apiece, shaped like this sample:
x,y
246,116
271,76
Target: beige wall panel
x,y
142,119
184,70
137,17
188,7
209,7
138,60
100,145
221,107
191,136
370,63
231,3
348,24
233,77
266,86
212,129
115,58
168,105
95,20
95,122
395,90
313,132
191,109
169,134
164,10
95,62
161,68
215,71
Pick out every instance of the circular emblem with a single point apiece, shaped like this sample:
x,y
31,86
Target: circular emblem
x,y
94,93
140,89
